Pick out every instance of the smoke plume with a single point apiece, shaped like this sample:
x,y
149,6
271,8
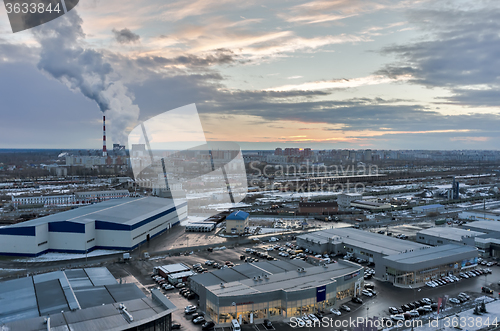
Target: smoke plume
x,y
64,56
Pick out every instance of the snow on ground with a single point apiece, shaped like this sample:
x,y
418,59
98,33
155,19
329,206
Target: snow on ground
x,y
67,256
266,230
226,206
193,219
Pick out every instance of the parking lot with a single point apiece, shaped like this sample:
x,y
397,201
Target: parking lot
x,y
387,295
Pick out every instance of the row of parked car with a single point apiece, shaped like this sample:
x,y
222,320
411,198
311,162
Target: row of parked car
x,y
308,320
421,307
162,282
197,317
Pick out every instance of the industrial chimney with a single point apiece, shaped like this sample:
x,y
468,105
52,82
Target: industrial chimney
x,y
104,152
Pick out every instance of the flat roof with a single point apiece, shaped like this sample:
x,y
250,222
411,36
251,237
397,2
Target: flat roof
x,y
247,271
172,268
363,239
289,281
488,226
455,234
76,299
429,206
431,254
127,211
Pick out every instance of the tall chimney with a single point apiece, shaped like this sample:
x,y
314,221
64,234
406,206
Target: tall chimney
x,y
104,152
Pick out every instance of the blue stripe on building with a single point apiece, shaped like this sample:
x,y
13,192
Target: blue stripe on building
x,y
65,226
19,231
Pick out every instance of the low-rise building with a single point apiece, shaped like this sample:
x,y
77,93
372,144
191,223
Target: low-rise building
x,y
81,299
428,209
321,208
385,252
237,222
275,289
447,235
480,215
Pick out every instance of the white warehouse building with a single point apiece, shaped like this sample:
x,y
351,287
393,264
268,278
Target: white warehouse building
x,y
119,224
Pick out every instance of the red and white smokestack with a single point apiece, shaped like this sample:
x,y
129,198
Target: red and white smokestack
x,y
104,152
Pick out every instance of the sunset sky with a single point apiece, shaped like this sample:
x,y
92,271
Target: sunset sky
x,y
330,74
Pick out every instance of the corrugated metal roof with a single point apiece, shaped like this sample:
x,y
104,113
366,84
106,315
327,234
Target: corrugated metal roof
x,y
363,239
432,254
449,233
124,211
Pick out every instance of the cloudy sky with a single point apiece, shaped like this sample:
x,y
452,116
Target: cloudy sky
x,y
379,74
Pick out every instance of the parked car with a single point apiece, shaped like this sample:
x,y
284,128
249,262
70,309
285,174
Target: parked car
x,y
268,324
176,326
454,300
393,310
300,322
180,285
208,325
345,308
189,309
335,311
367,293
357,300
199,320
397,317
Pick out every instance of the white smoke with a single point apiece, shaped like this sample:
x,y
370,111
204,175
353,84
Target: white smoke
x,y
65,57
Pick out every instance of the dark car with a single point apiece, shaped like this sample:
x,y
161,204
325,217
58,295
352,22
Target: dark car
x,y
199,320
357,300
267,323
411,305
369,286
176,326
393,310
487,290
196,315
190,296
210,249
184,290
405,308
421,311
208,325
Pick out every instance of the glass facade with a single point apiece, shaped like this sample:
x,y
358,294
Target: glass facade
x,y
279,303
428,274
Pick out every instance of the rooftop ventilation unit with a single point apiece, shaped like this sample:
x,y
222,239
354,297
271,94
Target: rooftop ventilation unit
x,y
221,284
123,310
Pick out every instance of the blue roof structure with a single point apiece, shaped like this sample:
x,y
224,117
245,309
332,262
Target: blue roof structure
x,y
238,216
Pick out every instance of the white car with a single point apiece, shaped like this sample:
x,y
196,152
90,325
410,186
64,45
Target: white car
x,y
300,322
397,317
367,293
167,287
454,300
335,311
313,318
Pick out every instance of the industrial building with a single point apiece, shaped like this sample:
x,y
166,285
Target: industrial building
x,y
237,222
428,209
81,299
370,205
318,207
201,226
79,198
480,215
447,235
488,243
275,289
420,264
415,268
118,224
344,200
